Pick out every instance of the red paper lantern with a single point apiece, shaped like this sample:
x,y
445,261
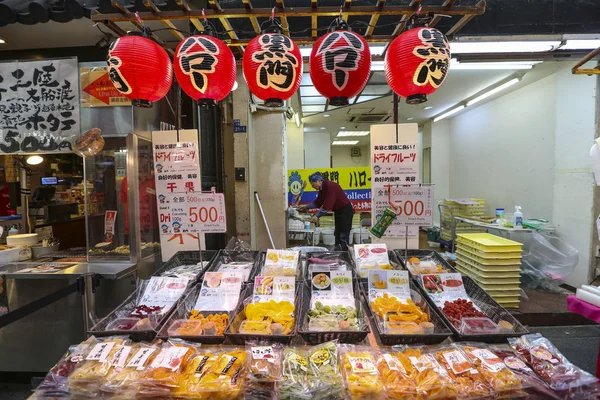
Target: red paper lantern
x,y
272,67
197,60
340,65
416,63
139,69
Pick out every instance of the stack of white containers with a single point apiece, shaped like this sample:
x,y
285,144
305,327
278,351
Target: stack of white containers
x,y
494,263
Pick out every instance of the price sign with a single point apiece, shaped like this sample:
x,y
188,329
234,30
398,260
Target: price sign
x,y
413,204
192,213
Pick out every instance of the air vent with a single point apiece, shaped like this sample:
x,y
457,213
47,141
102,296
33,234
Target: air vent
x,y
368,118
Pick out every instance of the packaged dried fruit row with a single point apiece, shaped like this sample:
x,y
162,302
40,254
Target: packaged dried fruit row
x,y
56,382
359,370
193,371
129,365
535,387
549,363
397,381
501,379
265,368
294,385
87,378
222,379
268,318
163,373
469,381
324,372
431,379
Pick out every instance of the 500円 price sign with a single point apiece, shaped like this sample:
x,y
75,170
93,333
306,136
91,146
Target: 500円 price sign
x,y
413,204
192,213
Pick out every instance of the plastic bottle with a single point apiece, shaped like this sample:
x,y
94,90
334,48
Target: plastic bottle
x,y
518,218
13,230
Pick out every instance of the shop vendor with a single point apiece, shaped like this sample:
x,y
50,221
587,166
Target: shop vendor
x,y
331,197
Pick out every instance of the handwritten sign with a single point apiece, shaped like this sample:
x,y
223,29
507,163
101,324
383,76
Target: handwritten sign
x,y
39,106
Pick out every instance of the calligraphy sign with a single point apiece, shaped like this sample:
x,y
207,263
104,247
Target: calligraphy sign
x,y
39,105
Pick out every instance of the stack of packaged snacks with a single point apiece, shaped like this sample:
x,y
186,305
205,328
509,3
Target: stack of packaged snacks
x,y
86,380
195,368
359,370
294,385
553,368
466,378
324,373
264,370
503,382
397,381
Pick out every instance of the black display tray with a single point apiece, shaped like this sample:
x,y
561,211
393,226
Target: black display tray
x,y
185,258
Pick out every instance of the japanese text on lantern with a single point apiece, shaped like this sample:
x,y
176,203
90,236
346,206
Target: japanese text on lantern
x,y
435,53
198,60
277,64
339,60
39,106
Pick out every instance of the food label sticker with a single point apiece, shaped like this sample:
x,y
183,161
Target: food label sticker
x,y
444,287
139,359
395,283
220,291
543,354
515,363
173,358
457,361
332,288
163,292
276,288
262,352
300,361
422,363
121,356
491,361
362,365
320,356
393,363
100,351
201,365
230,363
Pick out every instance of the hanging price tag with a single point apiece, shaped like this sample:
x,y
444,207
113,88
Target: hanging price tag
x,y
413,205
192,213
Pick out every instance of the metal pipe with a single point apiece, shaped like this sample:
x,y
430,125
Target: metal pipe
x,y
264,219
584,60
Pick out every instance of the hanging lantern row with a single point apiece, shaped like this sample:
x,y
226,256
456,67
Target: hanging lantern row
x,y
416,64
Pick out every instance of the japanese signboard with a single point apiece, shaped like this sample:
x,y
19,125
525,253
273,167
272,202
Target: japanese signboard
x,y
192,213
98,91
39,106
355,181
395,163
413,204
176,168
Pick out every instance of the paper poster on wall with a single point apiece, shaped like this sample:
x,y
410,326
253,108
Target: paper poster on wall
x,y
97,90
192,213
355,181
39,105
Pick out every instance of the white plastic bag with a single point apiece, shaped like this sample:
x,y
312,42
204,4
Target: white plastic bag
x,y
549,261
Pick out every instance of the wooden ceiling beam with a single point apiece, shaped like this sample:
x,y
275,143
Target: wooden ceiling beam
x,y
437,18
253,20
217,7
374,19
284,21
400,27
149,4
183,4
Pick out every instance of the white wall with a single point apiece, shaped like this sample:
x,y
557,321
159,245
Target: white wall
x,y
295,146
503,151
340,157
317,148
440,162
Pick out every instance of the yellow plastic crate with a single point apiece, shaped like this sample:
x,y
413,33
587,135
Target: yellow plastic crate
x,y
487,254
492,282
485,261
488,242
488,274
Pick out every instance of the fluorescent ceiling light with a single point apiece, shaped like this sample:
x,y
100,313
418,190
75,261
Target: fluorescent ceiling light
x,y
455,65
376,65
326,115
448,113
306,81
313,100
312,109
309,91
323,128
376,50
427,107
503,47
492,92
409,118
352,133
305,51
345,142
579,44
342,127
34,160
2,41
371,90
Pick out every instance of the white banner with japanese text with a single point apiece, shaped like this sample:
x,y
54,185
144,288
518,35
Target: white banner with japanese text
x,y
39,105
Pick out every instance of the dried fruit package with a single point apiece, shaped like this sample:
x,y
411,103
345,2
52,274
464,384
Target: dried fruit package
x,y
264,369
359,370
86,380
128,367
163,374
396,380
431,379
56,382
500,378
294,384
268,318
536,388
195,368
223,379
469,381
549,363
324,372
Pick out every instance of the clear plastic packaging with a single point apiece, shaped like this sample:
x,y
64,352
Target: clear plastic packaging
x,y
89,143
294,385
425,265
402,328
359,370
478,326
503,382
549,363
466,378
56,382
185,327
87,378
265,368
123,324
397,381
333,318
186,271
324,372
238,266
268,317
195,369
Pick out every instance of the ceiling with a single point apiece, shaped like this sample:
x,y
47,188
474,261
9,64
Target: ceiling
x,y
459,86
